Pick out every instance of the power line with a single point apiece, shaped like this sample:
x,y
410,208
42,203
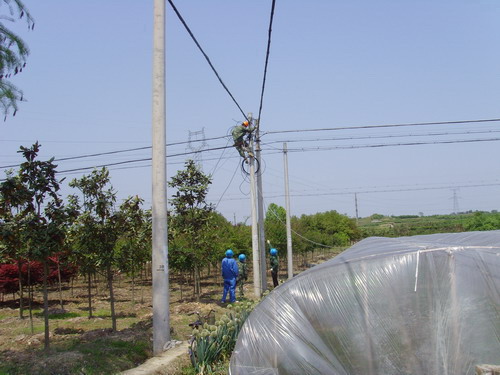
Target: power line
x,y
229,184
296,233
290,150
145,159
315,194
121,151
390,145
391,190
205,55
382,126
290,141
383,136
267,57
274,148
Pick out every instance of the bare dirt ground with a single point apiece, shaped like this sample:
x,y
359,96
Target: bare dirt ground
x,y
79,345
74,338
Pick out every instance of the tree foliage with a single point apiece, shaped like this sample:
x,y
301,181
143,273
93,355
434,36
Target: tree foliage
x,y
483,221
41,216
275,227
97,228
310,232
13,53
189,223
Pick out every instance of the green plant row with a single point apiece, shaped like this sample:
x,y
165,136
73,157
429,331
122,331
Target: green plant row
x,y
214,343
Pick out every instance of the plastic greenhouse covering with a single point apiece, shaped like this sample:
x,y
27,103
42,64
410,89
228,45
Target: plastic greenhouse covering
x,y
421,305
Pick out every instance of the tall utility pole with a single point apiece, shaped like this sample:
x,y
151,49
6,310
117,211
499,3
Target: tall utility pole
x,y
289,252
455,201
356,204
257,275
260,208
161,293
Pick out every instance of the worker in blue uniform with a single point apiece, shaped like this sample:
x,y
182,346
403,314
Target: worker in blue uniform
x,y
229,274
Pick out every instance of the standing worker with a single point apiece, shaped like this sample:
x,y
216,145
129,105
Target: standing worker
x,y
243,272
229,274
274,265
240,143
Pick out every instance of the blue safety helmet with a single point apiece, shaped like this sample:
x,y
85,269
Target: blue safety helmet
x,y
273,252
229,253
242,257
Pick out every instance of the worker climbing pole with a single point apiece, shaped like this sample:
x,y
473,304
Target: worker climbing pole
x,y
244,140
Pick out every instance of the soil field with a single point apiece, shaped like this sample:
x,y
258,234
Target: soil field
x,y
83,345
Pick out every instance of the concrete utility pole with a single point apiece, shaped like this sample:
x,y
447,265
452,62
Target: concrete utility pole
x,y
455,201
260,208
257,276
161,293
289,252
356,204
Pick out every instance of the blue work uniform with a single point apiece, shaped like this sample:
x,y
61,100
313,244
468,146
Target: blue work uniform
x,y
229,274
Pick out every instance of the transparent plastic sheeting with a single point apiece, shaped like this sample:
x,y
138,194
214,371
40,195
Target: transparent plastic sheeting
x,y
422,305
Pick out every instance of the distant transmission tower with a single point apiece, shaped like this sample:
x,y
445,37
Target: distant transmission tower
x,y
196,143
456,209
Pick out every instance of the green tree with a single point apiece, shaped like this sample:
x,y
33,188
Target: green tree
x,y
13,54
275,226
98,227
189,224
15,200
483,221
134,245
329,229
46,215
82,252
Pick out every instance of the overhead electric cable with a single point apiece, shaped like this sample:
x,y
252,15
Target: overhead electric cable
x,y
358,191
387,190
279,151
229,184
277,132
145,159
390,145
382,126
296,233
267,57
382,137
121,151
206,57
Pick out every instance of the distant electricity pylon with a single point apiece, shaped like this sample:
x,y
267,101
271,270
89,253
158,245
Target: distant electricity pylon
x,y
197,143
456,209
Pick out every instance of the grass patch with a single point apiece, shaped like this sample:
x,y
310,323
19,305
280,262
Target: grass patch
x,y
112,356
102,314
99,357
66,315
37,328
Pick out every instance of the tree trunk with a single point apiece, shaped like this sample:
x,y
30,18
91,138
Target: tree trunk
x,y
46,304
111,297
133,288
181,282
60,283
89,287
30,295
197,284
96,284
21,294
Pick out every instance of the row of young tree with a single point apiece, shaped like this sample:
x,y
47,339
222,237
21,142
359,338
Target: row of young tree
x,y
89,233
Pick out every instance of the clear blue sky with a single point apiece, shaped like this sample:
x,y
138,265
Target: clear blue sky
x,y
332,64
